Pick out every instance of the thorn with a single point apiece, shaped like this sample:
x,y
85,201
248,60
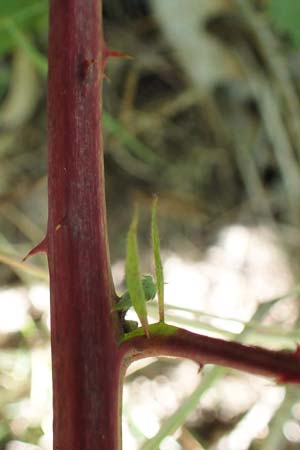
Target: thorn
x,y
108,53
39,248
297,351
115,54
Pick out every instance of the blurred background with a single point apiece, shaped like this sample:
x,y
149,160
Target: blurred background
x,y
207,116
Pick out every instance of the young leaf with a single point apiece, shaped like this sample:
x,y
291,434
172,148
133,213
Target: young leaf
x,y
157,261
133,279
149,288
124,303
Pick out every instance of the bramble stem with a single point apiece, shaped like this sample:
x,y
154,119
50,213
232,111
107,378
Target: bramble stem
x,y
88,363
84,333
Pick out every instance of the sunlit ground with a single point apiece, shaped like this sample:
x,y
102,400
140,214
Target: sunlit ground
x,y
244,268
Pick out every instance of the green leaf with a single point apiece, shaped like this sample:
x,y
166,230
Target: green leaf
x,y
157,261
133,279
149,288
124,303
286,16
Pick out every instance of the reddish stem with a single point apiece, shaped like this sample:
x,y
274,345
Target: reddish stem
x,y
84,333
87,362
282,365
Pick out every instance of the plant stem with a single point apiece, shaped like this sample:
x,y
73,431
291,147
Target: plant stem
x,y
85,361
88,361
171,341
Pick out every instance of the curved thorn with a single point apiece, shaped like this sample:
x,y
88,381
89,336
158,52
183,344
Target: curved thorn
x,y
39,248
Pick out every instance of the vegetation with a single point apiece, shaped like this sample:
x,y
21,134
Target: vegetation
x,y
239,169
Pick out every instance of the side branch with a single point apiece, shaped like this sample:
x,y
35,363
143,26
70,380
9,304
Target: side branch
x,y
284,366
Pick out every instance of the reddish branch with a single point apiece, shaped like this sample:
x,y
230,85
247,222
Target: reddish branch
x,y
88,363
281,365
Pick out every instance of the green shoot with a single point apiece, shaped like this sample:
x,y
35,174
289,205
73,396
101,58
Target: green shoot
x,y
157,261
149,288
133,279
